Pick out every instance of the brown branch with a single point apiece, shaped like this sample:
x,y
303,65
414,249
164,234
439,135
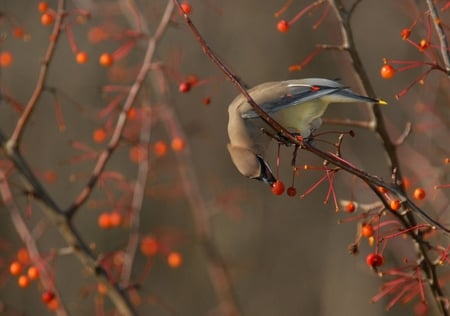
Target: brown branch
x,y
445,52
138,197
31,105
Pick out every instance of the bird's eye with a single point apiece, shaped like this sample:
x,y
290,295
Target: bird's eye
x,y
315,88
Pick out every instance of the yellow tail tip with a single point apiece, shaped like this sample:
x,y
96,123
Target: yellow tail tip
x,y
381,102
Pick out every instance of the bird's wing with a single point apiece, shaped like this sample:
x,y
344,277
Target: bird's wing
x,y
296,93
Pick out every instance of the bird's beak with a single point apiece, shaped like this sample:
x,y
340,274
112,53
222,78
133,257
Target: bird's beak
x,y
266,174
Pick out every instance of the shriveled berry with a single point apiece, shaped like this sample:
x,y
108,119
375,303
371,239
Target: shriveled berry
x,y
291,191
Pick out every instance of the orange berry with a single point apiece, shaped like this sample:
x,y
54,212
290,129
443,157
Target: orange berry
x,y
131,114
283,26
174,259
186,7
160,148
387,71
18,32
102,289
23,256
23,281
149,246
115,218
42,6
405,33
15,268
291,191
6,59
106,59
53,304
419,194
33,273
278,187
177,144
395,205
406,183
137,154
374,260
81,57
47,297
184,87
47,19
99,135
96,35
350,207
367,230
192,79
50,176
104,221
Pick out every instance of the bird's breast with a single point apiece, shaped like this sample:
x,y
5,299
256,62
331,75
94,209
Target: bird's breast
x,y
298,118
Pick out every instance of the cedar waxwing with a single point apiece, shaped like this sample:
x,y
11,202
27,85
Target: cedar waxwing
x,y
297,105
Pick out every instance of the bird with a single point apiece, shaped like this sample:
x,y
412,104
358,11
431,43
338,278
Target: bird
x,y
297,105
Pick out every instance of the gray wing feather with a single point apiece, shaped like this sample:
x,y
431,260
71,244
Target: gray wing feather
x,y
298,93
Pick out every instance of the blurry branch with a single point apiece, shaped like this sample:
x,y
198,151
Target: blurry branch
x,y
66,228
122,119
218,272
27,238
445,51
63,219
377,120
31,105
138,197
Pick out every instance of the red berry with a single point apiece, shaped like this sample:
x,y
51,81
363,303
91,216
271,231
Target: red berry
x,y
291,191
405,33
184,87
47,297
374,260
278,187
283,26
387,71
350,207
186,8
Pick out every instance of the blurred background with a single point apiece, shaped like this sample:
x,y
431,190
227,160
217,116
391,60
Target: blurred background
x,y
286,256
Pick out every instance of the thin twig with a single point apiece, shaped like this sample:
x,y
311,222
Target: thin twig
x,y
31,105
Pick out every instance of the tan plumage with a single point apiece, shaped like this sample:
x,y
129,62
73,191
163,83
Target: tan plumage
x,y
297,105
